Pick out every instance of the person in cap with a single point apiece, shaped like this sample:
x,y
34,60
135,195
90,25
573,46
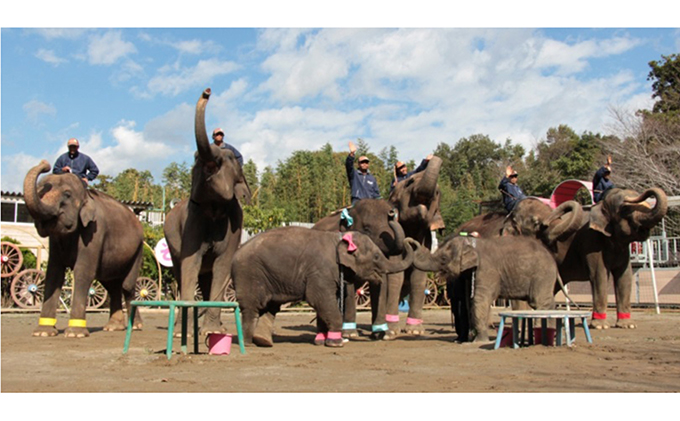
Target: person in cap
x,y
402,173
362,183
218,140
76,162
601,181
511,192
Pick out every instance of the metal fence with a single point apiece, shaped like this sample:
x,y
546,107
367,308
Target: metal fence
x,y
665,252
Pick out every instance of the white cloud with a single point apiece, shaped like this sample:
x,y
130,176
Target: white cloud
x,y
34,109
108,48
13,181
56,33
50,57
172,80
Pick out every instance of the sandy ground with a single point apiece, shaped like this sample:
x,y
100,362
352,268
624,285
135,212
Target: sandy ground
x,y
646,359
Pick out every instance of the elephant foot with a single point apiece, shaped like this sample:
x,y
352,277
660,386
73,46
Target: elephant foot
x,y
212,328
350,334
117,325
76,332
262,341
625,324
599,324
390,335
335,343
45,331
415,330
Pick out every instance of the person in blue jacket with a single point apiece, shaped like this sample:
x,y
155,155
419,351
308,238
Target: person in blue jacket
x,y
362,183
601,181
511,192
402,173
76,162
218,140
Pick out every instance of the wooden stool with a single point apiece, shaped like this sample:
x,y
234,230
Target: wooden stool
x,y
564,319
184,306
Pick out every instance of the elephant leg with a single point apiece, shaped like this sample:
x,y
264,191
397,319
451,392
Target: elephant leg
x,y
321,331
386,325
622,286
598,283
116,316
414,322
54,280
264,330
349,325
220,275
324,301
83,276
250,316
481,306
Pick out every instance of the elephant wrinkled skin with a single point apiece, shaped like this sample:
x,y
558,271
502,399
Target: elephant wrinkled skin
x,y
90,232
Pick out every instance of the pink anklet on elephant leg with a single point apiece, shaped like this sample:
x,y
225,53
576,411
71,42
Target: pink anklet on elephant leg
x,y
321,336
334,335
410,321
392,318
623,316
599,316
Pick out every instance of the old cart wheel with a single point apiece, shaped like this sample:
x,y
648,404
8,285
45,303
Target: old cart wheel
x,y
146,289
431,289
97,295
230,292
363,296
28,288
11,259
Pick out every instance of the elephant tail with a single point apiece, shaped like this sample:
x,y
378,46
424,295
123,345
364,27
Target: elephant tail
x,y
564,290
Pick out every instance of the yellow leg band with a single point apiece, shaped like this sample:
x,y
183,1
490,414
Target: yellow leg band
x,y
46,321
77,323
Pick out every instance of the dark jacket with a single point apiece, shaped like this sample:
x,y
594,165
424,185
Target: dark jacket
x,y
600,185
403,177
512,193
237,154
362,186
81,165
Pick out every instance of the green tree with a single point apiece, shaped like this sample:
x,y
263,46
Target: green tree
x,y
665,75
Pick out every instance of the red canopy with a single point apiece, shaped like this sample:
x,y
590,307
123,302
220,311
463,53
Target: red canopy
x,y
566,190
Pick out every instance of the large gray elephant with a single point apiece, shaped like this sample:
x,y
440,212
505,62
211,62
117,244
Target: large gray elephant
x,y
289,264
375,218
511,267
204,231
91,233
599,250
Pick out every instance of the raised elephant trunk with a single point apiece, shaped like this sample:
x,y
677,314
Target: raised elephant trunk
x,y
395,266
38,209
202,142
398,235
428,183
423,259
569,214
644,215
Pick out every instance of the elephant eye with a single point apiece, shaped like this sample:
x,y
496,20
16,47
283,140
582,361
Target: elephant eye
x,y
67,194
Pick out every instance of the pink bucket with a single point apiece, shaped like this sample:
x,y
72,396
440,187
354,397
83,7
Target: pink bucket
x,y
549,335
219,344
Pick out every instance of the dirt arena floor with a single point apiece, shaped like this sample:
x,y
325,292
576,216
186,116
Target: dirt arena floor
x,y
646,359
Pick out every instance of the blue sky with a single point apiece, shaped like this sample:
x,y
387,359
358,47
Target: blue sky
x,y
128,94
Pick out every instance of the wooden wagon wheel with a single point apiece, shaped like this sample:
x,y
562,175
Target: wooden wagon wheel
x,y
28,288
11,259
96,295
230,292
363,296
146,289
431,291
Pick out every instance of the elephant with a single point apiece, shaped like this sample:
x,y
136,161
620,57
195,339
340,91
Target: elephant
x,y
375,218
204,231
512,267
289,264
599,250
91,233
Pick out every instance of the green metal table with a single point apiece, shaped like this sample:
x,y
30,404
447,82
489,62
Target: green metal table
x,y
184,306
564,319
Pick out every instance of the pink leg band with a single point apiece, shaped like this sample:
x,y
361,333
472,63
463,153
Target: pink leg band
x,y
410,321
320,336
334,335
599,316
392,318
623,316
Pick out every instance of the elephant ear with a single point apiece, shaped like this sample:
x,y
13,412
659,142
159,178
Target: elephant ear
x,y
347,252
599,219
469,258
87,212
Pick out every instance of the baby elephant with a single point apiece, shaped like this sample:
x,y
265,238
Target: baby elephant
x,y
290,264
511,267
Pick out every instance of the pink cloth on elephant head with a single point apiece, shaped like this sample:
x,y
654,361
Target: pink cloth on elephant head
x,y
351,246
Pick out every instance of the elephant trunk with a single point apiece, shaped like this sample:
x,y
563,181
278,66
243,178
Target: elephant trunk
x,y
38,209
395,266
423,259
646,216
569,214
202,142
428,183
398,235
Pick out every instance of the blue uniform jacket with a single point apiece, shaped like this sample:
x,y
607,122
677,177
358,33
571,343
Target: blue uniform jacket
x,y
81,165
600,185
237,154
403,177
362,186
512,193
